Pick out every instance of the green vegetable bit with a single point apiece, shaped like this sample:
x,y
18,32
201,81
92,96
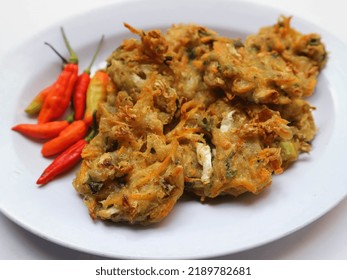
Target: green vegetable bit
x,y
288,151
230,173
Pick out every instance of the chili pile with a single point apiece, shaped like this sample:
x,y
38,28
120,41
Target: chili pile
x,y
66,136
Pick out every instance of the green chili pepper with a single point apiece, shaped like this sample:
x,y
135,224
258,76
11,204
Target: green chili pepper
x,y
96,93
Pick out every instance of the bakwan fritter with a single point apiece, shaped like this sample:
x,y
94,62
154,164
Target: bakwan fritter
x,y
197,112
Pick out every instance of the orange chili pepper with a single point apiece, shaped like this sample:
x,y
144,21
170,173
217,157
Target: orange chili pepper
x,y
41,131
70,135
36,104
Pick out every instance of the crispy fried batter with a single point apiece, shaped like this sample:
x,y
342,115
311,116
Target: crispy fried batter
x,y
198,112
271,67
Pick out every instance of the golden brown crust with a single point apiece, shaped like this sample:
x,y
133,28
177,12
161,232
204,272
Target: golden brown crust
x,y
194,111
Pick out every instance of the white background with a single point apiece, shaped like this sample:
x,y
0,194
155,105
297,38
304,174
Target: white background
x,y
323,239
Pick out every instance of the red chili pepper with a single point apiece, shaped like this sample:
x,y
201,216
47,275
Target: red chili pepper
x,y
36,104
65,161
41,131
80,92
79,95
70,135
57,101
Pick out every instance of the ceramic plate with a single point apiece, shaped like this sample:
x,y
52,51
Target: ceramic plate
x,y
315,184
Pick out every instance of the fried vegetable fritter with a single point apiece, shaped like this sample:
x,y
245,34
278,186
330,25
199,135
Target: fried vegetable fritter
x,y
194,111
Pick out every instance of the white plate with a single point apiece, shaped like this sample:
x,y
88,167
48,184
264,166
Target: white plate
x,y
315,184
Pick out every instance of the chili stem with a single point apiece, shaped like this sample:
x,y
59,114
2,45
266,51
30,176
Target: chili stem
x,y
87,70
70,118
61,57
73,56
90,136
